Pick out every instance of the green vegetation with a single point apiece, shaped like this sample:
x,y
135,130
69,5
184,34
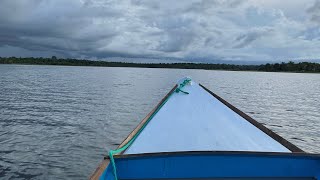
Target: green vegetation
x,y
277,67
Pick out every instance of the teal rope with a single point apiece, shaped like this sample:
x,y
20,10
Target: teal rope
x,y
113,152
181,85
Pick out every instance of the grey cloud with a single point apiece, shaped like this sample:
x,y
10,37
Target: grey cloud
x,y
148,28
246,39
314,12
205,5
176,41
59,29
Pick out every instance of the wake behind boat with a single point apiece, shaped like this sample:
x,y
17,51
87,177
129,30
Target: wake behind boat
x,y
194,134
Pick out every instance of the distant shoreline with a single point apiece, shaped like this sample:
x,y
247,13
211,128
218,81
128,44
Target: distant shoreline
x,y
301,67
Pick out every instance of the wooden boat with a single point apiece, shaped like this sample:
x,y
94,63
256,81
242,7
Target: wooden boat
x,y
195,134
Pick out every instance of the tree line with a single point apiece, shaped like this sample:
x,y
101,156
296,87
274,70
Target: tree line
x,y
275,67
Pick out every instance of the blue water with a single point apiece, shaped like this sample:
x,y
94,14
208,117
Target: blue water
x,y
57,122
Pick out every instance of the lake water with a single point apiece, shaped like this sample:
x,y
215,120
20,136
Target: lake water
x,y
57,122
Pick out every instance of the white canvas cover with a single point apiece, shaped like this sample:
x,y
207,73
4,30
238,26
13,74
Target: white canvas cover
x,y
199,122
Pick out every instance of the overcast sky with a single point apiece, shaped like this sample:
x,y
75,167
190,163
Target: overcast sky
x,y
255,30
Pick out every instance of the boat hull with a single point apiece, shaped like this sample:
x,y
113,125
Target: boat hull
x,y
224,143
212,165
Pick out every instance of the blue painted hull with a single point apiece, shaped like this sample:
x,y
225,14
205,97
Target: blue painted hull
x,y
215,165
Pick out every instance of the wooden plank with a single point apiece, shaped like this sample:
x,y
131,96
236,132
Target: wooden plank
x,y
97,173
264,129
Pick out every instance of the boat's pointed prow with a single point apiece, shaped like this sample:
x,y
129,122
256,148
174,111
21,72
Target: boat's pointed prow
x,y
185,79
192,123
197,121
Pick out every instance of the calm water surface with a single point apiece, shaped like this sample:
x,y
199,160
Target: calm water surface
x,y
58,122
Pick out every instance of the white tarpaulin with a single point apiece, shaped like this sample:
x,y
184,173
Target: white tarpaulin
x,y
199,122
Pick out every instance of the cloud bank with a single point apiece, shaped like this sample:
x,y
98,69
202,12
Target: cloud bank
x,y
198,30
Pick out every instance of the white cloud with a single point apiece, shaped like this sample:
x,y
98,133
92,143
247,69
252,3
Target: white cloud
x,y
196,29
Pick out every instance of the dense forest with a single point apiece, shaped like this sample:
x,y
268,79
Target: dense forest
x,y
276,67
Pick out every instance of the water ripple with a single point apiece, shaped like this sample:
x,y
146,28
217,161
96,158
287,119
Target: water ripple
x,y
58,122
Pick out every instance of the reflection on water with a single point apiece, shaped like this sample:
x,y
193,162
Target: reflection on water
x,y
58,122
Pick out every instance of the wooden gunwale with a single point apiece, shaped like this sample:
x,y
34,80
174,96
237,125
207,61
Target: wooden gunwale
x,y
264,129
144,120
253,153
98,172
100,169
